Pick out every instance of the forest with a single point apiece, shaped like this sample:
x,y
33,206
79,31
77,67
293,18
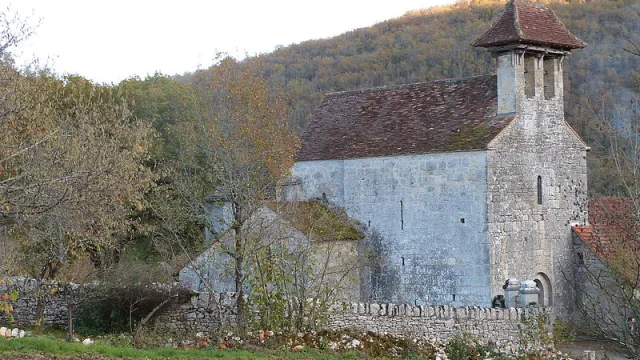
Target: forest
x,y
602,81
111,181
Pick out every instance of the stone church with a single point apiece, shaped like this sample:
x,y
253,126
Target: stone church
x,y
461,184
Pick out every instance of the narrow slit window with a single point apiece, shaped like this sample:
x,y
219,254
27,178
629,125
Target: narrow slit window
x,y
539,189
549,78
529,76
403,261
401,215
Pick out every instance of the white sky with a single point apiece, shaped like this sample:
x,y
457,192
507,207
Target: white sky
x,y
108,41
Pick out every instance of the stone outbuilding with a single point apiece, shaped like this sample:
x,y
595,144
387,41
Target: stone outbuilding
x,y
297,235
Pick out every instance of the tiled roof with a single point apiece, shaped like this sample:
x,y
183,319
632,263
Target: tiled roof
x,y
613,227
529,24
440,116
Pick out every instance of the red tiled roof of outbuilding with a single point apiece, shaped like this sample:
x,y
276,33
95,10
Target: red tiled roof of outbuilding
x,y
529,24
613,226
439,116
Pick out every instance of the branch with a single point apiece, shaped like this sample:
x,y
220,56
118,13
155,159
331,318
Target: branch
x,y
28,147
143,322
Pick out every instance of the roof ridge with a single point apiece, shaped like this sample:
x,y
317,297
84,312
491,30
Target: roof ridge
x,y
516,17
577,39
495,23
403,86
526,23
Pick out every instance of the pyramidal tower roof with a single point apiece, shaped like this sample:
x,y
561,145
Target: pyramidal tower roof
x,y
529,24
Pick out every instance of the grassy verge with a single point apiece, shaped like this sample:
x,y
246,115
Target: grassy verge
x,y
51,346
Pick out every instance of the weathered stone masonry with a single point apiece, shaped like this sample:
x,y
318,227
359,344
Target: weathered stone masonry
x,y
55,311
499,325
463,183
429,209
537,180
210,313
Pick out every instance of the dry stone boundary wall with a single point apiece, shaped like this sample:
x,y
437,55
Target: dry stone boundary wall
x,y
210,313
54,294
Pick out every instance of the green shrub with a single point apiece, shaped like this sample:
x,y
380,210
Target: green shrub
x,y
464,346
562,333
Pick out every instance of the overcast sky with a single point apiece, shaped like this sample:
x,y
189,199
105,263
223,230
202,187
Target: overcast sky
x,y
108,41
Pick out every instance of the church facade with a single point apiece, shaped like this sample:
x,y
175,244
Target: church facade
x,y
460,184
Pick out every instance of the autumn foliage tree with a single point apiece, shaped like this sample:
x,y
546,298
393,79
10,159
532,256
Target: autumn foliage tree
x,y
239,148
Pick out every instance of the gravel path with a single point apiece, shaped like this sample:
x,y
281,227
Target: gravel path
x,y
603,350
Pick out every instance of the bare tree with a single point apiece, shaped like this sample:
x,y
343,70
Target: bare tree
x,y
607,269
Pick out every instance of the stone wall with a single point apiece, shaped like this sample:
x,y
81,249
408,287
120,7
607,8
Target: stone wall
x,y
211,313
54,295
205,312
495,324
208,314
530,233
425,214
600,304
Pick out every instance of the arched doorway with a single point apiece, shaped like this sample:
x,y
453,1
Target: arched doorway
x,y
543,283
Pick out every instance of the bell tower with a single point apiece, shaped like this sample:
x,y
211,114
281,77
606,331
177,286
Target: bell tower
x,y
529,43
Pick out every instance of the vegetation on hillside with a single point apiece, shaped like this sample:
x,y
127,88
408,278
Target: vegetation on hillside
x,y
602,81
95,179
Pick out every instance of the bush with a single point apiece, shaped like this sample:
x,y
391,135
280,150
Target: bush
x,y
108,309
463,346
562,333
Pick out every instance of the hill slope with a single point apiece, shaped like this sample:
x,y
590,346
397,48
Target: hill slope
x,y
431,44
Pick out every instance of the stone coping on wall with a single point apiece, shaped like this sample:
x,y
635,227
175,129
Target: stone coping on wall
x,y
440,311
210,312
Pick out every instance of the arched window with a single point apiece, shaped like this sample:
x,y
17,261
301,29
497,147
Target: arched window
x,y
539,189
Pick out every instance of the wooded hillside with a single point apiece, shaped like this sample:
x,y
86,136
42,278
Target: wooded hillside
x,y
601,81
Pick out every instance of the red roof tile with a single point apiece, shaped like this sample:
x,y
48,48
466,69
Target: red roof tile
x,y
613,226
529,24
440,116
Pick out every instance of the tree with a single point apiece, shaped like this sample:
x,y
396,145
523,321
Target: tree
x,y
607,270
295,279
85,162
240,148
71,172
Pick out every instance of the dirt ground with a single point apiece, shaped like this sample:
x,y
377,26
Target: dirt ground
x,y
602,349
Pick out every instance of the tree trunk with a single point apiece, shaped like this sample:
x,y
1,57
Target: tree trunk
x,y
239,263
70,309
39,315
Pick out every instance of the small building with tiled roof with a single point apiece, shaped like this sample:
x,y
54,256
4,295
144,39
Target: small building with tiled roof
x,y
461,184
606,269
302,233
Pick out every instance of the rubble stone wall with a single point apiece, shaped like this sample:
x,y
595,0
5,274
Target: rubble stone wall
x,y
55,299
213,313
